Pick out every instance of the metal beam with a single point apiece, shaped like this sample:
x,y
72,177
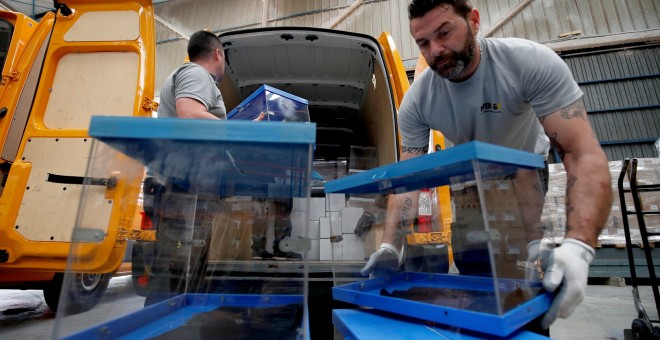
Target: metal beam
x,y
264,13
346,13
522,4
172,27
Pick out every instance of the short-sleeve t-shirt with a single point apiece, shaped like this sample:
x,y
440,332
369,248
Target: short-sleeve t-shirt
x,y
516,82
191,81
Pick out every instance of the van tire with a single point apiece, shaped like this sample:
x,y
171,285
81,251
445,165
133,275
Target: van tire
x,y
86,291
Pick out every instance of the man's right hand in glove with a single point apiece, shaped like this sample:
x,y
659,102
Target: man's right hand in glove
x,y
384,261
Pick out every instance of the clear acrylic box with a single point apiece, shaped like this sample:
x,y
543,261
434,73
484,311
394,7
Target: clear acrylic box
x,y
270,104
480,276
221,184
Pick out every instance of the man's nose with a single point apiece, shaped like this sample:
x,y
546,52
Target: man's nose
x,y
437,48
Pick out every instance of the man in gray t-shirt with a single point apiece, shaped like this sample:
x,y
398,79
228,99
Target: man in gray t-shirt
x,y
508,92
182,242
191,91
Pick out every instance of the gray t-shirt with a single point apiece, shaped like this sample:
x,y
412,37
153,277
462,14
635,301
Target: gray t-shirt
x,y
191,81
517,81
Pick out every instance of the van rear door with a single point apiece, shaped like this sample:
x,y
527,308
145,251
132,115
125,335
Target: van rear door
x,y
91,58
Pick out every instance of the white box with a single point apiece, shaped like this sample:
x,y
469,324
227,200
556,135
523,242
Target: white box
x,y
298,224
325,250
314,230
335,202
314,251
324,227
352,247
316,208
335,223
349,219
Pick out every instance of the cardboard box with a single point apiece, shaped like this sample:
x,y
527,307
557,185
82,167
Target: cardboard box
x,y
231,238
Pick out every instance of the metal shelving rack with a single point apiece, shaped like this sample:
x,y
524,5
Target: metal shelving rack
x,y
642,326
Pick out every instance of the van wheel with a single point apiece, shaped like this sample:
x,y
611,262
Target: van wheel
x,y
85,291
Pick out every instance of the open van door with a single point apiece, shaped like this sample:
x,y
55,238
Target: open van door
x,y
434,205
89,58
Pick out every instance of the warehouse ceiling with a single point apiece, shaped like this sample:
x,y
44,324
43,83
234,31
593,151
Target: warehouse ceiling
x,y
37,8
32,8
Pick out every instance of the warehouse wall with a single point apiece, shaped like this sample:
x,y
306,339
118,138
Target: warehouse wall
x,y
563,23
618,85
622,98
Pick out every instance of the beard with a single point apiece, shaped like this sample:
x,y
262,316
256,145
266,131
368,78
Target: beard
x,y
455,62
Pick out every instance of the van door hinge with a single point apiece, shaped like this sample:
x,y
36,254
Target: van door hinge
x,y
150,105
12,75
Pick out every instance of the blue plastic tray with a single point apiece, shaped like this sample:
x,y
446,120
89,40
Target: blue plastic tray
x,y
372,324
368,293
170,314
226,157
433,170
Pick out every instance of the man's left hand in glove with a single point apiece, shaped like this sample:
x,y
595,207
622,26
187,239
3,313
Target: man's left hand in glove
x,y
567,270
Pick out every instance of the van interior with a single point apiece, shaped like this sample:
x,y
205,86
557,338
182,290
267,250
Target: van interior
x,y
340,74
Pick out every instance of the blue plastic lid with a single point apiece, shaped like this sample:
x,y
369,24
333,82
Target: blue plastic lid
x,y
432,170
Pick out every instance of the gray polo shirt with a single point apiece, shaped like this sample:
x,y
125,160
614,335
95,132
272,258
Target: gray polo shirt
x,y
516,82
191,81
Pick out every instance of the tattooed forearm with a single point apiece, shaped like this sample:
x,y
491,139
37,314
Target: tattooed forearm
x,y
570,183
415,151
406,212
575,110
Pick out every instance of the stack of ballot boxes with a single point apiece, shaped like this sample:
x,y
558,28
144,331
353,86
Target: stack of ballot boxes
x,y
493,284
216,184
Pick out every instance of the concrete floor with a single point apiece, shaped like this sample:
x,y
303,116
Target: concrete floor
x,y
605,313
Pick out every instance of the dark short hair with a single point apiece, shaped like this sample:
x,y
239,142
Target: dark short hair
x,y
202,44
418,8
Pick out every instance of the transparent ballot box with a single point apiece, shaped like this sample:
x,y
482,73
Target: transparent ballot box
x,y
213,192
270,104
474,270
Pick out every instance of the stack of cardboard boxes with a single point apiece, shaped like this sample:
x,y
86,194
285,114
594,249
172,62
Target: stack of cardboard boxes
x,y
554,211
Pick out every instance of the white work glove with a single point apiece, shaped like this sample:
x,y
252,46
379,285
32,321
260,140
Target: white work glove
x,y
384,261
568,269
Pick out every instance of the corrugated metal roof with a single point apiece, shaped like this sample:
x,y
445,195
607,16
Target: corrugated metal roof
x,y
622,98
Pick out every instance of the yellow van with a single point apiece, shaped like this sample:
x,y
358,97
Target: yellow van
x,y
89,58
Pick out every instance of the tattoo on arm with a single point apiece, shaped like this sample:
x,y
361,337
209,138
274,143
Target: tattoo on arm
x,y
575,110
415,151
570,183
406,212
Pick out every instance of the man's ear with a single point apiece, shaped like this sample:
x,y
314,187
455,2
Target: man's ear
x,y
474,20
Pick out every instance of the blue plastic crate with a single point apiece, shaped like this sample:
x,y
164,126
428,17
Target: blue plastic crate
x,y
486,319
224,157
366,324
270,104
176,312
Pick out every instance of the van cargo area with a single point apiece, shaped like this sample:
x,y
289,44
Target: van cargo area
x,y
343,77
